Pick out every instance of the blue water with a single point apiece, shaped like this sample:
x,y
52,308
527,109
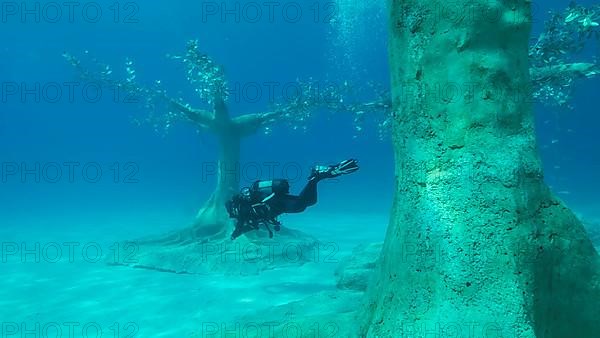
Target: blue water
x,y
152,183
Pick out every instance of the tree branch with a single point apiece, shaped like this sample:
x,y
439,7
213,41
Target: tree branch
x,y
249,124
569,70
201,118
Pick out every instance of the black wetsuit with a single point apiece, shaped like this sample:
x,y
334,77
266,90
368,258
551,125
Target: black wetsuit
x,y
282,201
269,199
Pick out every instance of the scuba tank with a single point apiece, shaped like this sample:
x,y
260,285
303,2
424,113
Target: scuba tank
x,y
261,190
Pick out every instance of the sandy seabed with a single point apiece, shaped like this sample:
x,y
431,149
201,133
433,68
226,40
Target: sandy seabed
x,y
57,286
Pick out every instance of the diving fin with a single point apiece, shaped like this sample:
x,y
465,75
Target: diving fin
x,y
342,168
345,167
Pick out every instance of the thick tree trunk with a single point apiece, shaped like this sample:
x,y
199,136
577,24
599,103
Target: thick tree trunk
x,y
477,244
212,219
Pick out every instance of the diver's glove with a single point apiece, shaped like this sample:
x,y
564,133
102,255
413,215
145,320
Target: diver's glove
x,y
342,168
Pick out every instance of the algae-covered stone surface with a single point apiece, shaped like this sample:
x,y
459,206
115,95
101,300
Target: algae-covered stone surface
x,y
490,245
593,230
355,271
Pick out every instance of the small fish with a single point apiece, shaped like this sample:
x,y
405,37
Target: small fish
x,y
564,192
554,141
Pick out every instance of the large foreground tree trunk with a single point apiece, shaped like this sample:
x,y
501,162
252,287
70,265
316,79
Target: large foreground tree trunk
x,y
477,244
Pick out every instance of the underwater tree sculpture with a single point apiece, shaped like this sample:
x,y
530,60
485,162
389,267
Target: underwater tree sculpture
x,y
477,244
549,73
178,251
209,82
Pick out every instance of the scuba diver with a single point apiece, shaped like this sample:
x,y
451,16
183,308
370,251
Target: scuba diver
x,y
264,201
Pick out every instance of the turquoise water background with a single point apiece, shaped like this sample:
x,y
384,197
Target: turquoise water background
x,y
152,183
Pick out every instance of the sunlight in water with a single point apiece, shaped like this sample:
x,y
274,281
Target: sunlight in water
x,y
353,25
